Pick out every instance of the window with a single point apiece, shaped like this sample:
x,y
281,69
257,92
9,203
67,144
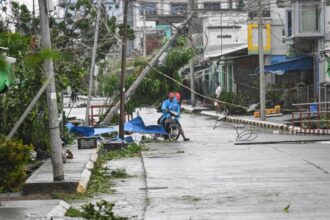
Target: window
x,y
230,4
178,8
212,5
230,77
289,23
283,37
224,36
309,14
149,7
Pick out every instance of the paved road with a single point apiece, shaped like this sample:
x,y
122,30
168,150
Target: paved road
x,y
211,178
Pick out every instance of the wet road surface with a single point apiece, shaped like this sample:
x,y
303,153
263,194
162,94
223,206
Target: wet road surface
x,y
211,178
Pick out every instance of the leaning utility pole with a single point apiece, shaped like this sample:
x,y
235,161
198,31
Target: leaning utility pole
x,y
123,73
55,141
92,69
261,64
191,61
29,108
145,71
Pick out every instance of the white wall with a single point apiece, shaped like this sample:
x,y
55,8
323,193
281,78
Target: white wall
x,y
238,36
327,23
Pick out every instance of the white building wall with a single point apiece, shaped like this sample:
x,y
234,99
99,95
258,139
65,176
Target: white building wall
x,y
209,19
223,3
140,25
277,26
234,31
327,24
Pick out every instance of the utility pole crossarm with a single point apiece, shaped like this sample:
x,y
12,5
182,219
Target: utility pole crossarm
x,y
146,70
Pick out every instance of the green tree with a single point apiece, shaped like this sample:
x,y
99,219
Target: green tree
x,y
73,36
23,19
154,84
28,81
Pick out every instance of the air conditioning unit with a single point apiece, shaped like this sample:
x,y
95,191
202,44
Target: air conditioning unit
x,y
50,5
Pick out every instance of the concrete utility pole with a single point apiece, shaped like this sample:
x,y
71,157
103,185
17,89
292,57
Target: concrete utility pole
x,y
144,33
191,62
33,18
55,141
221,34
261,64
146,70
92,69
123,73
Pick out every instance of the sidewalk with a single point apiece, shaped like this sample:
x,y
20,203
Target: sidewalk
x,y
77,172
33,209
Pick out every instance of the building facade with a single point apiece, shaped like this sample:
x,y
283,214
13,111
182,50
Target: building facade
x,y
308,33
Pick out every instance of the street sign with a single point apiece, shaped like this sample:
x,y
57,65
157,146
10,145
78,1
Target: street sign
x,y
253,39
313,108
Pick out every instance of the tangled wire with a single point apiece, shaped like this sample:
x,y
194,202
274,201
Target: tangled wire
x,y
245,134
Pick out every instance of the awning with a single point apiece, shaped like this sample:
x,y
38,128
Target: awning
x,y
213,51
291,64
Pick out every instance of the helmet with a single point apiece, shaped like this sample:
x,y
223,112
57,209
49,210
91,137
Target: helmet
x,y
178,96
171,94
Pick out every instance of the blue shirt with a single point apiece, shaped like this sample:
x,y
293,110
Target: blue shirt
x,y
171,106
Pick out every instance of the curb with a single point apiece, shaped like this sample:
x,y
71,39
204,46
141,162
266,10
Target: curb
x,y
41,182
36,209
86,174
59,210
298,130
261,124
265,124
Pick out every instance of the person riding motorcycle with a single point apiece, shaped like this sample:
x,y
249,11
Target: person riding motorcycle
x,y
171,104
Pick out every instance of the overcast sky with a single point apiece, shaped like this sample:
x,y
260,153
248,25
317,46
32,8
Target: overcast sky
x,y
29,3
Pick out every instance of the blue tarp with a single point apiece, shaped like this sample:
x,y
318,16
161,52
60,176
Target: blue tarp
x,y
88,131
137,125
291,64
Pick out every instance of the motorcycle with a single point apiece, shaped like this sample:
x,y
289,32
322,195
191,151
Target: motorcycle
x,y
172,127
